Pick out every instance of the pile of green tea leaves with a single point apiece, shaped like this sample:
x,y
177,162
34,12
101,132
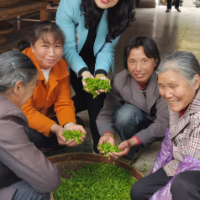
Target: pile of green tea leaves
x,y
108,148
96,181
73,135
96,84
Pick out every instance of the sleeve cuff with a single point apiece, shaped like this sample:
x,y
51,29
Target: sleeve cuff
x,y
138,140
110,133
82,70
100,71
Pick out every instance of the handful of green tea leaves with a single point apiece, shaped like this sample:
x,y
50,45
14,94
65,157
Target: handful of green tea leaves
x,y
73,135
108,148
96,84
95,181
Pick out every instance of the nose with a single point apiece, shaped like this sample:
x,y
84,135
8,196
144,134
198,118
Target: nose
x,y
167,94
138,67
51,51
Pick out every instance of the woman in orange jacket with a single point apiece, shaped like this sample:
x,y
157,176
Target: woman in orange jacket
x,y
50,111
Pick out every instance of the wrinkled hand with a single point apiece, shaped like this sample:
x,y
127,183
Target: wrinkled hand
x,y
124,147
103,77
58,130
76,127
86,74
106,138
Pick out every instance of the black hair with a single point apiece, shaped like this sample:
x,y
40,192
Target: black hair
x,y
119,16
15,66
149,45
39,31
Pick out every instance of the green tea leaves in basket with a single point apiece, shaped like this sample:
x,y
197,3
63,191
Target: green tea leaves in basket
x,y
96,181
96,84
108,148
73,135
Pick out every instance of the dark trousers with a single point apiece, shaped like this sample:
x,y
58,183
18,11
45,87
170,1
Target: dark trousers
x,y
147,186
185,185
169,4
129,120
42,141
84,101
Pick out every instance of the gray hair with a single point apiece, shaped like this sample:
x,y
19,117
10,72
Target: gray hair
x,y
183,62
15,66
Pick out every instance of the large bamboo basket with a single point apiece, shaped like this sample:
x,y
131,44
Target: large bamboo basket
x,y
7,3
74,161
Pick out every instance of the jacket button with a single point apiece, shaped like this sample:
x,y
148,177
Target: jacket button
x,y
47,99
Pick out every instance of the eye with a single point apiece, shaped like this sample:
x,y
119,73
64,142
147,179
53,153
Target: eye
x,y
144,61
162,87
58,46
45,46
173,86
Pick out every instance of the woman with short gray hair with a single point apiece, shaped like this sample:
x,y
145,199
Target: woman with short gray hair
x,y
177,165
22,176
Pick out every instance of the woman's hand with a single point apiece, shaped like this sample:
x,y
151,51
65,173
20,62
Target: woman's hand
x,y
51,198
75,127
124,147
103,77
58,130
106,138
86,74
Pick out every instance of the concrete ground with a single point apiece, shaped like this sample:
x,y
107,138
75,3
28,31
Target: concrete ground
x,y
172,31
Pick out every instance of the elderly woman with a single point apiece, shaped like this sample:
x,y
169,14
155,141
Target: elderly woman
x,y
179,81
134,105
24,171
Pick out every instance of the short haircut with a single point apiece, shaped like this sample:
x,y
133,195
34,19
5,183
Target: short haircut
x,y
150,48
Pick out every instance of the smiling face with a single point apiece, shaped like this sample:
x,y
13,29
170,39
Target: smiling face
x,y
47,53
104,4
176,90
140,66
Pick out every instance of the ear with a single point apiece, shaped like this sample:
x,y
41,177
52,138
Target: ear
x,y
18,88
197,81
156,62
33,48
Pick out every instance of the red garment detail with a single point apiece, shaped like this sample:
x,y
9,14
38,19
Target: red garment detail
x,y
110,133
142,87
181,113
138,140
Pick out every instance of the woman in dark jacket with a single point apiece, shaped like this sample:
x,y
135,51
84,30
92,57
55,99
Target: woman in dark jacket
x,y
92,29
24,171
134,105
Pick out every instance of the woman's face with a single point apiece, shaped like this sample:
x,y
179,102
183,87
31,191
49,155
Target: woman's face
x,y
140,66
176,90
47,53
104,4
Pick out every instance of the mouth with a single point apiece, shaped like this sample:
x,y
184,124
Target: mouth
x,y
50,61
172,103
105,2
139,75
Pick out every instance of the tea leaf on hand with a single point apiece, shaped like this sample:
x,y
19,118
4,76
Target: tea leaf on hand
x,y
73,135
96,84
